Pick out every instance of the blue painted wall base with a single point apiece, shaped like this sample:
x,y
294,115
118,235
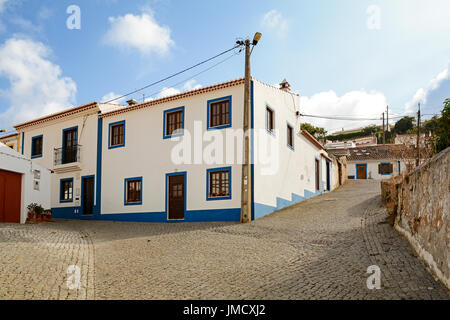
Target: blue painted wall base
x,y
262,210
190,215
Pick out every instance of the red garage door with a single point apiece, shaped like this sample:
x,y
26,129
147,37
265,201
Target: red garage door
x,y
10,195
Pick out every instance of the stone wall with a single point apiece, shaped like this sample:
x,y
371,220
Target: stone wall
x,y
339,162
420,203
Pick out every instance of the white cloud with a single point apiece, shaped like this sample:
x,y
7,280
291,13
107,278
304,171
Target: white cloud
x,y
354,104
275,20
110,96
422,94
140,32
188,86
37,86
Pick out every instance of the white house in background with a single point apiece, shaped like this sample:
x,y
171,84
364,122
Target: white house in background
x,y
163,160
11,140
22,182
379,162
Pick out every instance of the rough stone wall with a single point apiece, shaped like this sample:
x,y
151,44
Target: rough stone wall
x,y
422,212
342,161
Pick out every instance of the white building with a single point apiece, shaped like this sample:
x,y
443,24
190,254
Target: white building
x,y
22,182
178,158
11,140
379,162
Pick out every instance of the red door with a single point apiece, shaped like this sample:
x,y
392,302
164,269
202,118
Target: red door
x,y
10,195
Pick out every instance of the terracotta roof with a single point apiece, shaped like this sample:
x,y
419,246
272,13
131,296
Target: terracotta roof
x,y
382,151
312,139
9,135
57,115
175,97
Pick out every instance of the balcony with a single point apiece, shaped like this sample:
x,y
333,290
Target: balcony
x,y
67,159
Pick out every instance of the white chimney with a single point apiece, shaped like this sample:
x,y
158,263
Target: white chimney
x,y
285,86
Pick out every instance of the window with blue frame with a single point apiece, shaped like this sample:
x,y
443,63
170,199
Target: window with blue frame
x,y
116,134
173,122
385,168
66,190
36,146
133,191
218,183
270,120
219,113
290,136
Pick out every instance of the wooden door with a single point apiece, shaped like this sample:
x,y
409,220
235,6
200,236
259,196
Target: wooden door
x,y
317,175
10,196
88,196
176,197
328,177
70,145
361,171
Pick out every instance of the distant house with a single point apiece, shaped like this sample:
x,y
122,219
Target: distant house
x,y
11,140
410,140
379,162
114,162
22,182
356,142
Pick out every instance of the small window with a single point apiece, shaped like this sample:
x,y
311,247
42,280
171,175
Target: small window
x,y
173,122
117,134
133,189
385,168
270,120
290,136
219,111
219,184
66,190
36,147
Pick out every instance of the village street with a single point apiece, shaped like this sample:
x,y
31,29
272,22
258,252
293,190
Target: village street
x,y
317,249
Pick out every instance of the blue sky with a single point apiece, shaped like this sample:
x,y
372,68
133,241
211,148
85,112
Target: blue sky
x,y
348,57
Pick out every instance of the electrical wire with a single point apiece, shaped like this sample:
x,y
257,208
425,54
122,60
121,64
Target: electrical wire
x,y
199,73
174,75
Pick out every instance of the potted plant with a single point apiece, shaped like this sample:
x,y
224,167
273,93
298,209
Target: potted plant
x,y
39,210
31,211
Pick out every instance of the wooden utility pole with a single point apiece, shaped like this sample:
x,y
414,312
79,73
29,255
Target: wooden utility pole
x,y
387,119
246,210
418,138
384,132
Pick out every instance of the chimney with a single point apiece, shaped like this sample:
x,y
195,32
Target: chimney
x,y
285,86
132,102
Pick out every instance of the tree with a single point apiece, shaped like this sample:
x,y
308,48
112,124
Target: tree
x,y
370,130
403,125
431,125
317,132
443,130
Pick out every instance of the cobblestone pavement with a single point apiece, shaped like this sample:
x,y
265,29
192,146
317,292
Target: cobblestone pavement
x,y
317,249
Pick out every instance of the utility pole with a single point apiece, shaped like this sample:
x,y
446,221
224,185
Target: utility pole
x,y
384,132
418,138
387,119
246,183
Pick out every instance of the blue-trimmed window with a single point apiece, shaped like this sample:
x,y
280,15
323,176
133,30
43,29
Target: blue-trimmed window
x,y
116,135
218,184
385,168
173,122
270,120
133,191
219,113
290,136
66,190
36,146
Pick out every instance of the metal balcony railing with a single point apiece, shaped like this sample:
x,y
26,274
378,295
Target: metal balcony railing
x,y
67,155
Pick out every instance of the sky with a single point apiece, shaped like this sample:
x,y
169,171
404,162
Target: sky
x,y
347,57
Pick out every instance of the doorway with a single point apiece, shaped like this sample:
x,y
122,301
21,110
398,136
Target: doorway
x,y
10,196
87,195
176,196
317,175
361,171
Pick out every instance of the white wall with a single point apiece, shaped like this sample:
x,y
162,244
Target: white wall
x,y
11,141
372,168
11,160
146,154
52,132
295,172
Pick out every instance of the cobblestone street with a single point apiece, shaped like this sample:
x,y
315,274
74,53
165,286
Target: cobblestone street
x,y
317,249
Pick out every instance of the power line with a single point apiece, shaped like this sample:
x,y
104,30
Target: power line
x,y
199,73
174,75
